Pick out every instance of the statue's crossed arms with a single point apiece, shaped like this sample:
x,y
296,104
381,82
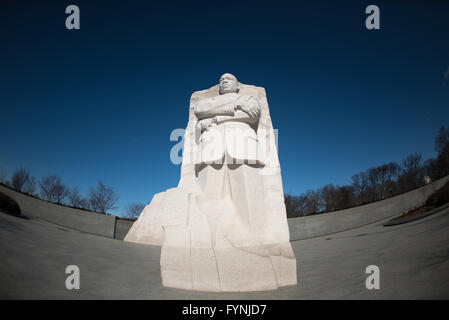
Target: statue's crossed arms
x,y
226,108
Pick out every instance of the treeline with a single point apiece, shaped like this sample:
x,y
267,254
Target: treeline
x,y
100,199
376,183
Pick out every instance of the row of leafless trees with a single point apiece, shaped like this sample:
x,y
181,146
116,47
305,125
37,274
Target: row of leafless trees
x,y
100,199
375,183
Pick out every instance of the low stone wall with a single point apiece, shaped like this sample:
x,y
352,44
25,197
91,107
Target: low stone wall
x,y
95,223
122,227
300,228
327,223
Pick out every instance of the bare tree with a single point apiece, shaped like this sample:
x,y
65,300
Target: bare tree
x,y
345,197
52,189
22,181
46,185
305,204
30,186
74,197
440,167
85,204
102,198
329,197
373,178
19,178
412,172
301,205
61,193
314,203
133,210
290,206
387,175
360,186
295,205
442,139
336,197
375,183
393,173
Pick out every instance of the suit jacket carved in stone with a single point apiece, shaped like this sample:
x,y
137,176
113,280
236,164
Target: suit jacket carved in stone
x,y
227,133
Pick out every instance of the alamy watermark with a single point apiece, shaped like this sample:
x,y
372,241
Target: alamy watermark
x,y
73,20
372,22
243,145
373,280
72,282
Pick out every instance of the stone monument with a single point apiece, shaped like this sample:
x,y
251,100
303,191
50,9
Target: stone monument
x,y
224,228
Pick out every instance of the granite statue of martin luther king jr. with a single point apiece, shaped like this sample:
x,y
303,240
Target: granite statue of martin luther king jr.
x,y
224,227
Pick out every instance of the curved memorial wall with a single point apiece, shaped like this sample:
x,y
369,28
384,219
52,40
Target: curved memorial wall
x,y
300,228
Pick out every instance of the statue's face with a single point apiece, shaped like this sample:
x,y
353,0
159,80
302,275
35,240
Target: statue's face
x,y
228,83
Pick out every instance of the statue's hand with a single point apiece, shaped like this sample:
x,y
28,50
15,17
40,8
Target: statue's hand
x,y
251,109
207,123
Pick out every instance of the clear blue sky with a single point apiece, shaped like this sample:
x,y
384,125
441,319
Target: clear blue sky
x,y
100,102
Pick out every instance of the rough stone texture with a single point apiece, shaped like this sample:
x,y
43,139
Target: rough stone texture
x,y
234,240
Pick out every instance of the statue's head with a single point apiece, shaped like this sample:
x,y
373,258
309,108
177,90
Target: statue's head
x,y
228,83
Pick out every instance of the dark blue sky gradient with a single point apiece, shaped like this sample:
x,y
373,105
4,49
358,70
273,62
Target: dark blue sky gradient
x,y
100,102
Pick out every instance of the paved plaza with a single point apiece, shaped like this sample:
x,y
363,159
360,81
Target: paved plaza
x,y
413,259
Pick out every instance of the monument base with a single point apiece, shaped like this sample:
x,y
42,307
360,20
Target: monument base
x,y
225,270
196,257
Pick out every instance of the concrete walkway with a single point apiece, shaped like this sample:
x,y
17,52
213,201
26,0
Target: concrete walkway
x,y
413,259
